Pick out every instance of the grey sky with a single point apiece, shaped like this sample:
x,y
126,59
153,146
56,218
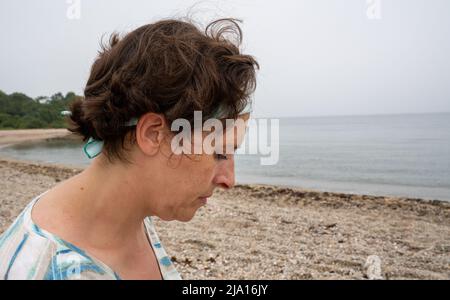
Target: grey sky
x,y
317,57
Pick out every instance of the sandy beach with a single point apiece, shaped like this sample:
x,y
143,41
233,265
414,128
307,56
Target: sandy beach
x,y
270,232
9,137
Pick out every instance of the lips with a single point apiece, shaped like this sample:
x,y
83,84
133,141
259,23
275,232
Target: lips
x,y
204,199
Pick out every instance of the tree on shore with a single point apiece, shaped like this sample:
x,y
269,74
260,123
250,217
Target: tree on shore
x,y
18,111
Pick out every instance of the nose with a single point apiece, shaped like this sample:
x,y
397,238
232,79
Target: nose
x,y
225,175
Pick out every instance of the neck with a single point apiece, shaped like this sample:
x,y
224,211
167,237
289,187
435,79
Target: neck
x,y
106,205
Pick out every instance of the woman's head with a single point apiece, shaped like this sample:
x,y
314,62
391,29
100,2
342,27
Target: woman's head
x,y
159,73
182,180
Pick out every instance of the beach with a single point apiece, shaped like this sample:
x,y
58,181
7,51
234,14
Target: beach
x,y
273,232
9,137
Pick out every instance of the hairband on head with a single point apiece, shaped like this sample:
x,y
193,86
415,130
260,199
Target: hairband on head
x,y
94,147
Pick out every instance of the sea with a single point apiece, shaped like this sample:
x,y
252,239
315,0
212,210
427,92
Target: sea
x,y
387,155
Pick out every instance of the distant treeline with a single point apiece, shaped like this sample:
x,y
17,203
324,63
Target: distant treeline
x,y
19,111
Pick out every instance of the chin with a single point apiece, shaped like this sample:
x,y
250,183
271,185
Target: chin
x,y
181,218
186,218
183,213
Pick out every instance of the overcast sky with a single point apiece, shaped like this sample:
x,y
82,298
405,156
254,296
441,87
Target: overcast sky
x,y
317,57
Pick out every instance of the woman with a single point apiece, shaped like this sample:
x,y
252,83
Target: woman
x,y
97,225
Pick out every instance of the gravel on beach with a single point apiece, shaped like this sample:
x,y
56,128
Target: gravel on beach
x,y
270,232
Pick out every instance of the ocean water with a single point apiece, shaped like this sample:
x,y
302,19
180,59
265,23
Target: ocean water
x,y
398,155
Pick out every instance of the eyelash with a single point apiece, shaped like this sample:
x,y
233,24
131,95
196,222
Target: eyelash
x,y
221,157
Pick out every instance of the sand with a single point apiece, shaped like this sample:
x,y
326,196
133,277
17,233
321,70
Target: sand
x,y
9,137
271,232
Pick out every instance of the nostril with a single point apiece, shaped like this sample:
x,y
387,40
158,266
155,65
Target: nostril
x,y
224,186
225,182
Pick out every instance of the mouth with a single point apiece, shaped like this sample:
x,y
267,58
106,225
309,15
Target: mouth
x,y
204,199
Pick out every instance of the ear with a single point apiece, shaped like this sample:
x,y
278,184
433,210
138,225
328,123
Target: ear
x,y
150,131
245,117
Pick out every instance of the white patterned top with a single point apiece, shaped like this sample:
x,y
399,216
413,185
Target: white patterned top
x,y
30,252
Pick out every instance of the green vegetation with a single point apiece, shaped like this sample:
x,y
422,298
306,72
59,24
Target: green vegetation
x,y
18,111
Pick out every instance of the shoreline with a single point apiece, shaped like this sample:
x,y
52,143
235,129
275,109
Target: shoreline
x,y
14,136
17,136
259,231
61,171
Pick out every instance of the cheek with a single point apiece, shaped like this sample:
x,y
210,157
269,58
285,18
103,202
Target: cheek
x,y
200,172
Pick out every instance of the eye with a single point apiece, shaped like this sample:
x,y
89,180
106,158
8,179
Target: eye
x,y
220,156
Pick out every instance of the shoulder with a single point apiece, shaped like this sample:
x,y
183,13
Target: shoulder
x,y
27,252
22,251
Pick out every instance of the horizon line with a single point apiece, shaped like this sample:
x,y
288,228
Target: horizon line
x,y
360,115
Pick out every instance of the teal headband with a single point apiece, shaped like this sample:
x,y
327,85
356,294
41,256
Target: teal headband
x,y
94,147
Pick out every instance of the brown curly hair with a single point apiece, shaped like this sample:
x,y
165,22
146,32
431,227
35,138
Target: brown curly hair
x,y
169,67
